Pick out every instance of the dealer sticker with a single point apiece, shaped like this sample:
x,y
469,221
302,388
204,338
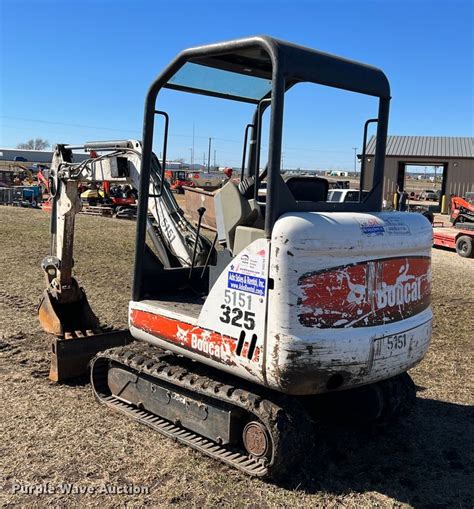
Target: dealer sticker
x,y
246,283
395,226
372,227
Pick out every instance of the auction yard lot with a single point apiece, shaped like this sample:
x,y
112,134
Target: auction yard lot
x,y
56,434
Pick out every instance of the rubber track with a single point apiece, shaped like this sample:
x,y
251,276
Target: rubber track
x,y
284,418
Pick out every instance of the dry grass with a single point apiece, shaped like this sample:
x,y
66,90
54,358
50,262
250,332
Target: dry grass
x,y
58,433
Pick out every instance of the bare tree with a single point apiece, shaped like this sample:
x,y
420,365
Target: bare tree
x,y
37,144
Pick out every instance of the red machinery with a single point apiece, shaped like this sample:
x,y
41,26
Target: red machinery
x,y
177,179
462,209
113,197
43,180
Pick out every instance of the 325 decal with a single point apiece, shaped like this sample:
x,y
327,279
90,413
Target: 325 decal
x,y
235,316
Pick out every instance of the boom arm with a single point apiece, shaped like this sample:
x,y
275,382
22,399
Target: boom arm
x,y
175,239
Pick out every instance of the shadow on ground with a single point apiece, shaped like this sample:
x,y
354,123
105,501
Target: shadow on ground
x,y
426,461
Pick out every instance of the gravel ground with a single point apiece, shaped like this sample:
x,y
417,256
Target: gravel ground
x,y
57,434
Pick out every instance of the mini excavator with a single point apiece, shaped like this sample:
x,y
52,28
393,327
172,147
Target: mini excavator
x,y
239,342
462,210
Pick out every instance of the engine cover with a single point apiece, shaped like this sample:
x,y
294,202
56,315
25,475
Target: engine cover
x,y
351,296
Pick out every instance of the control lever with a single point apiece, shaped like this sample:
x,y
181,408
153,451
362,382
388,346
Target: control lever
x,y
200,212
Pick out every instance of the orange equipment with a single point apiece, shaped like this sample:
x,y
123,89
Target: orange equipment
x,y
462,209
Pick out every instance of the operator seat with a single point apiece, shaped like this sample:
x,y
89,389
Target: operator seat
x,y
240,219
233,210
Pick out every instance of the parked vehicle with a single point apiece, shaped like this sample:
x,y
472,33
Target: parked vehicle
x,y
339,184
460,239
208,180
428,195
345,195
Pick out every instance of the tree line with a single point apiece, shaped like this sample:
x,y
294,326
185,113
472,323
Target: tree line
x,y
34,144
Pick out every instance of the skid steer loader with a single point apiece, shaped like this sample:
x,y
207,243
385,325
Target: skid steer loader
x,y
297,301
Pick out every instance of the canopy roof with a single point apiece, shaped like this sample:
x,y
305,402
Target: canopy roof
x,y
242,70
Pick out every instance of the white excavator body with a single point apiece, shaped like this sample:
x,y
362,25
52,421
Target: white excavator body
x,y
332,301
297,307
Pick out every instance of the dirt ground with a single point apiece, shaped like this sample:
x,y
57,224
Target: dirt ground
x,y
54,434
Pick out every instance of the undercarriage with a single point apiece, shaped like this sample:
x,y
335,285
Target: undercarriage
x,y
258,431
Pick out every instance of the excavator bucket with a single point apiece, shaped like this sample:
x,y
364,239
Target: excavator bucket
x,y
78,335
57,318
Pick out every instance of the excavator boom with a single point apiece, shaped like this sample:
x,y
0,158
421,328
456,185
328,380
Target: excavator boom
x,y
64,309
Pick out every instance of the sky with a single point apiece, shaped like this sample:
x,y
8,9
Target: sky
x,y
76,71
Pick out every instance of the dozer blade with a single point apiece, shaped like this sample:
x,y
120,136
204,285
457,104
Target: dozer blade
x,y
70,356
79,337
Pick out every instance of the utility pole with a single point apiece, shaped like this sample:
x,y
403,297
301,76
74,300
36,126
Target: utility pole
x,y
192,153
355,159
204,158
215,159
209,157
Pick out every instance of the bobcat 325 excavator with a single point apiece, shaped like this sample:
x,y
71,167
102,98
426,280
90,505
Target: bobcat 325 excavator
x,y
241,342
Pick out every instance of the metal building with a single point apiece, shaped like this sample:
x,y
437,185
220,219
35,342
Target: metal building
x,y
33,156
454,154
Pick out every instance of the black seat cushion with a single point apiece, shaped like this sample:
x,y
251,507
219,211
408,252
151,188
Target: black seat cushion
x,y
308,188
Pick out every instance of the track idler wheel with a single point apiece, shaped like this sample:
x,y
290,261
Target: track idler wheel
x,y
256,439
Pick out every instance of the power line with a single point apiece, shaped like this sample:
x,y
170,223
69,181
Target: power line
x,y
84,126
70,125
174,135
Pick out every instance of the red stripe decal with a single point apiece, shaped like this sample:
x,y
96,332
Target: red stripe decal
x,y
202,341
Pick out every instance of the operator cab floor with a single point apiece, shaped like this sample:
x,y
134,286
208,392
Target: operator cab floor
x,y
189,305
